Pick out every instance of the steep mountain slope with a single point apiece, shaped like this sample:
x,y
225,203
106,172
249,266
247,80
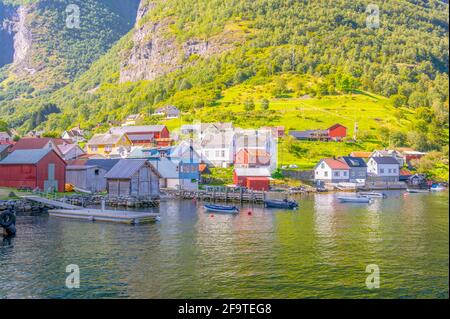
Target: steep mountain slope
x,y
193,53
46,46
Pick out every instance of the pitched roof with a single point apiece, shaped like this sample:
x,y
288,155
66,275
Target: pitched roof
x,y
31,143
4,147
65,148
165,167
361,154
387,160
137,129
354,161
254,172
104,139
307,133
126,168
336,126
26,156
107,164
335,164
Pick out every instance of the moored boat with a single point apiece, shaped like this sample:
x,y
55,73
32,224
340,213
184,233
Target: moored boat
x,y
417,191
437,188
222,209
372,195
286,204
363,200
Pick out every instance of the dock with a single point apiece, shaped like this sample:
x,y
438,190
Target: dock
x,y
123,217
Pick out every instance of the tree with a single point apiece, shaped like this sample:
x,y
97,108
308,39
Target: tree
x,y
398,100
249,105
265,104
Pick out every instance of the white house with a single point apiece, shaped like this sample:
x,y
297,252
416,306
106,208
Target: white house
x,y
215,145
75,134
331,170
390,153
70,151
385,169
168,111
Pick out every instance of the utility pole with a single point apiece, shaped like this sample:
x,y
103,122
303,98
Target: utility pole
x,y
355,132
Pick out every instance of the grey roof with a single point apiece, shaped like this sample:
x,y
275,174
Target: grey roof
x,y
105,139
26,156
80,167
126,168
254,172
385,160
354,161
4,147
307,134
137,129
165,167
106,164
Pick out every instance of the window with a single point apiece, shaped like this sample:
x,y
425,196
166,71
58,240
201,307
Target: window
x,y
207,153
381,170
97,172
322,166
94,148
345,173
108,148
325,174
390,171
336,174
217,153
223,153
395,170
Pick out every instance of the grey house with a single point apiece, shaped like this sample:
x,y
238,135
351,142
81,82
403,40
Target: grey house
x,y
358,168
133,177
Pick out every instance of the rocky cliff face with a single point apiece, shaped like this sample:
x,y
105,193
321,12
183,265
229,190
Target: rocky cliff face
x,y
156,51
8,21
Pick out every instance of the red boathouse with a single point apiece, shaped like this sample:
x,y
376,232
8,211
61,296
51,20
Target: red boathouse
x,y
42,168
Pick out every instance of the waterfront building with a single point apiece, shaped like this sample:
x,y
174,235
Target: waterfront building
x,y
358,169
145,135
384,169
4,150
87,177
257,179
249,157
36,168
331,170
105,144
70,151
390,153
133,177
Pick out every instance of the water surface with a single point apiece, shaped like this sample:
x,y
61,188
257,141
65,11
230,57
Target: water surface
x,y
319,251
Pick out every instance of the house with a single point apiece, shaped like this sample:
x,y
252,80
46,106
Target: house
x,y
35,143
331,170
262,140
170,176
35,168
145,135
310,135
6,138
133,177
168,111
337,132
390,153
70,151
418,180
215,146
384,169
405,175
87,177
76,135
252,158
4,150
104,144
132,119
257,179
358,168
411,155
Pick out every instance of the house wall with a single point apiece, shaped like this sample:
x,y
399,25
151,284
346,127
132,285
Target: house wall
x,y
384,172
92,179
218,157
18,176
258,184
118,187
325,173
145,183
358,173
43,171
338,132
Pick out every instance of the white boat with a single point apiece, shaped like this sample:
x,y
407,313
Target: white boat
x,y
417,191
372,195
364,200
437,188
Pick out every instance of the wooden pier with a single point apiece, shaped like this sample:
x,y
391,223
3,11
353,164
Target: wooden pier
x,y
49,202
93,215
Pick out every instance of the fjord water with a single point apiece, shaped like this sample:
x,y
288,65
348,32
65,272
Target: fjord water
x,y
319,251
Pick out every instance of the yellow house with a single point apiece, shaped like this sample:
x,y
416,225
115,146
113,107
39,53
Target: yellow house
x,y
109,144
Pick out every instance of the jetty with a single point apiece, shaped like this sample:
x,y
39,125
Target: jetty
x,y
93,215
65,210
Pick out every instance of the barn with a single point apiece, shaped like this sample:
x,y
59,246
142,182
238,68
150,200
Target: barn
x,y
337,132
133,177
87,177
39,168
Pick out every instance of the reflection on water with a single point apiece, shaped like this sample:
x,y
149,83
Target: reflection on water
x,y
320,250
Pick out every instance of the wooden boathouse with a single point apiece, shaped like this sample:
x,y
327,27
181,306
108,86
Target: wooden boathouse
x,y
133,177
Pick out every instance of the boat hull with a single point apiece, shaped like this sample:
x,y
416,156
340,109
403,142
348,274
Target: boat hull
x,y
360,200
221,209
281,204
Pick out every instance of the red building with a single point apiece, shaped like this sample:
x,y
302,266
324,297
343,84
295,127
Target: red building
x,y
145,135
337,132
43,169
257,179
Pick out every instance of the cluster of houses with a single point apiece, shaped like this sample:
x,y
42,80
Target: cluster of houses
x,y
380,166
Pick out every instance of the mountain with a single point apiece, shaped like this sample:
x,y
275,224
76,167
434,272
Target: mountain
x,y
213,58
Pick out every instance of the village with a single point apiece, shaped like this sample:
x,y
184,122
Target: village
x,y
144,161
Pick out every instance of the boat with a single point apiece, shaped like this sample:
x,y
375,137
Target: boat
x,y
364,200
437,188
286,204
417,191
372,195
222,209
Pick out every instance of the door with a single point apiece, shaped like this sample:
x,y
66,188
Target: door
x,y
51,184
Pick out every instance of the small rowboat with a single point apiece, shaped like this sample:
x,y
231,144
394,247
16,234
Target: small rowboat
x,y
286,204
372,195
437,188
363,200
222,209
417,191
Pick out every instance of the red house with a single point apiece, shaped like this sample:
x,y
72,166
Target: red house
x,y
337,132
148,135
252,158
257,179
42,168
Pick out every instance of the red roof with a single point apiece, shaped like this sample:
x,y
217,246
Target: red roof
x,y
335,164
336,126
35,143
405,172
